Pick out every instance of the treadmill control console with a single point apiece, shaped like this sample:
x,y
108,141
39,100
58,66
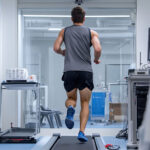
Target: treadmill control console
x,y
139,72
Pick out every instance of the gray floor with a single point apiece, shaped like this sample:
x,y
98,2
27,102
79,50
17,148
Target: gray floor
x,y
91,124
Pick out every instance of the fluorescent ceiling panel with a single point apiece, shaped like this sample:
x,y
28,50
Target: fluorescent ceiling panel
x,y
88,16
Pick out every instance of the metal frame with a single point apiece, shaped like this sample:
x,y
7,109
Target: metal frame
x,y
133,82
117,84
0,106
24,86
100,144
46,144
106,71
54,139
45,88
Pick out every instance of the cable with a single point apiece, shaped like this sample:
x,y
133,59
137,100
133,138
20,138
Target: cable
x,y
145,66
123,133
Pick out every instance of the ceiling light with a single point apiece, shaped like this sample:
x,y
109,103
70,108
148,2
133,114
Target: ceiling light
x,y
88,16
49,16
109,16
93,28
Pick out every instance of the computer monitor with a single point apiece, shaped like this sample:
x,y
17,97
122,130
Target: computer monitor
x,y
148,58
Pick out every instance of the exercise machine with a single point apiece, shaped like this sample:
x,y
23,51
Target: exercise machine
x,y
24,86
95,142
138,85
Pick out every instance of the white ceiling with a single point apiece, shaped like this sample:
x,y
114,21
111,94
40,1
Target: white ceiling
x,y
71,3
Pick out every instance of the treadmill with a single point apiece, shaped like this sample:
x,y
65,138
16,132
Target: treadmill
x,y
95,142
18,135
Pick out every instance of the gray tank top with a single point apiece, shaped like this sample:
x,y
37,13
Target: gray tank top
x,y
77,40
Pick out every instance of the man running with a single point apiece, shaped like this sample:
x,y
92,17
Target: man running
x,y
77,66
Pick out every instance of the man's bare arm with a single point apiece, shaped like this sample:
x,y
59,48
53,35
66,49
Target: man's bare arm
x,y
97,46
58,43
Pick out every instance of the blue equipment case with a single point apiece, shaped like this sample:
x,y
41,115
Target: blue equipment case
x,y
98,104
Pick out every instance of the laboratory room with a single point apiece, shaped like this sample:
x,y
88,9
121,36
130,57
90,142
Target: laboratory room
x,y
74,74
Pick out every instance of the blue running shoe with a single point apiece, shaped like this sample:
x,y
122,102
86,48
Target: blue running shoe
x,y
82,137
69,118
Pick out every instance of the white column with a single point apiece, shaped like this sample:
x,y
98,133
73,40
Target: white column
x,y
143,23
9,58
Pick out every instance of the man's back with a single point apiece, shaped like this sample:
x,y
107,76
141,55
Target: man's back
x,y
77,40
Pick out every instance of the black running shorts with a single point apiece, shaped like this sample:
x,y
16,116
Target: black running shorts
x,y
78,79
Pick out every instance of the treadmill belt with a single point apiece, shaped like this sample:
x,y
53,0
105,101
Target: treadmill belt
x,y
72,143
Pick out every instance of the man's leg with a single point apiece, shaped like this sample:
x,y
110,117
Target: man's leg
x,y
72,98
70,104
85,96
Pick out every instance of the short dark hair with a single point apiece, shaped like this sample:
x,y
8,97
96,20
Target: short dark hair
x,y
78,14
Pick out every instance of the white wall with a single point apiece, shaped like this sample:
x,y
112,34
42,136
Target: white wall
x,y
143,22
0,47
8,58
0,40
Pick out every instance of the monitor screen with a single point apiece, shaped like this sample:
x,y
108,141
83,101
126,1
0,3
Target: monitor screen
x,y
149,44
